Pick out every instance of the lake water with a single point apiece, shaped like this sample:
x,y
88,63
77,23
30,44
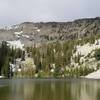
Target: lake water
x,y
46,89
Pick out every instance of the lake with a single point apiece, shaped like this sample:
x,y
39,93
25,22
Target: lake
x,y
49,89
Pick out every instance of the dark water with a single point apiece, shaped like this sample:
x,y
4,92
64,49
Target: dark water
x,y
29,89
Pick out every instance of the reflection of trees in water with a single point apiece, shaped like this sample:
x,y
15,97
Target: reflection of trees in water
x,y
4,92
22,90
40,90
85,90
51,90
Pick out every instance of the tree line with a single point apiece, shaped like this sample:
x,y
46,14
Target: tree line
x,y
8,55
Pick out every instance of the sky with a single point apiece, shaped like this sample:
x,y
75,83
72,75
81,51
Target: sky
x,y
17,11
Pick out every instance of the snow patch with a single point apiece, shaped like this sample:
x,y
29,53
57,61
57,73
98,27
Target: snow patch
x,y
1,76
6,28
15,44
26,36
18,33
38,30
19,70
52,70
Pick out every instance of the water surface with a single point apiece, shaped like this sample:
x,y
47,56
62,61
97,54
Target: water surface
x,y
49,89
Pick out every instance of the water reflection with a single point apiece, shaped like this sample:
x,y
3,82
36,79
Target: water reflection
x,y
49,90
88,90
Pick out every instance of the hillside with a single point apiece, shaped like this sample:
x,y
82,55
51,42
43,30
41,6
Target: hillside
x,y
30,33
53,49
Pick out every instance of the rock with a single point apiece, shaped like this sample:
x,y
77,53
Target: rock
x,y
94,75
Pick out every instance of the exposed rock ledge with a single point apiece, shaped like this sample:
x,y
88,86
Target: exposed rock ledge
x,y
94,75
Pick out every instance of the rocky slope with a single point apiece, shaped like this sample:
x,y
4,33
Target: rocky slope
x,y
30,33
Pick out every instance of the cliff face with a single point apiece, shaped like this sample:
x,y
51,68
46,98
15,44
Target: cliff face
x,y
51,31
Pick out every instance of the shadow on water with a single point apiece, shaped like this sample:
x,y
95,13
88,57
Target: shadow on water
x,y
28,89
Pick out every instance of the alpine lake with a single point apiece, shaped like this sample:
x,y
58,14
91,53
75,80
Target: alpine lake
x,y
49,89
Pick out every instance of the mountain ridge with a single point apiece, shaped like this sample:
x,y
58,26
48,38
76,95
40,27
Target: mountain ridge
x,y
51,31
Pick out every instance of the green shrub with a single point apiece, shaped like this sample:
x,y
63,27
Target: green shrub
x,y
97,54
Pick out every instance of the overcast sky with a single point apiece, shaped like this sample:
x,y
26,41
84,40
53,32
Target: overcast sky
x,y
17,11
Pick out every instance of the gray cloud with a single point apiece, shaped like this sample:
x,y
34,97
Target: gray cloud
x,y
17,11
